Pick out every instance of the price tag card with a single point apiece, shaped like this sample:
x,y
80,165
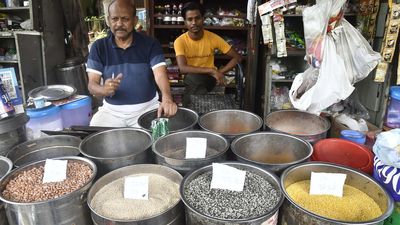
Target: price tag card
x,y
227,177
55,170
196,148
137,188
327,184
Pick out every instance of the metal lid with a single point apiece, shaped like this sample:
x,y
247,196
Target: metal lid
x,y
13,122
52,92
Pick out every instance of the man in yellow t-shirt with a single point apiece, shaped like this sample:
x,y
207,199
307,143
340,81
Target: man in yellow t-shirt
x,y
195,54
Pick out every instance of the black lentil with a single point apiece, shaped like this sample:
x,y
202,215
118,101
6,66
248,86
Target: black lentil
x,y
257,198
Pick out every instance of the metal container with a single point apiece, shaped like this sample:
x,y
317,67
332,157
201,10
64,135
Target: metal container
x,y
65,210
195,217
73,72
273,151
293,214
5,167
230,123
171,216
184,119
115,148
44,148
170,150
12,132
301,124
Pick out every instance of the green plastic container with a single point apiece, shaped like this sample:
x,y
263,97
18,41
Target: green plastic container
x,y
394,219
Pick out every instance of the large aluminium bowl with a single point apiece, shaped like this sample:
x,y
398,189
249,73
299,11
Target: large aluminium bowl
x,y
301,124
171,216
230,123
273,151
293,214
67,209
115,148
44,148
184,119
170,150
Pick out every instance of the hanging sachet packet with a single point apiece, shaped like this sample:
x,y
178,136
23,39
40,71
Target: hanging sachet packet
x,y
159,128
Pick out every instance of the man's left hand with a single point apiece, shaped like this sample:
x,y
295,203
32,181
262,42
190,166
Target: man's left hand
x,y
167,108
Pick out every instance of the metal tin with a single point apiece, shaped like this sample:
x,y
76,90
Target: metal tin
x,y
6,107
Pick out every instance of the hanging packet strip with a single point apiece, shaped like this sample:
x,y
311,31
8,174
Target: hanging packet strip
x,y
159,128
227,177
136,188
55,170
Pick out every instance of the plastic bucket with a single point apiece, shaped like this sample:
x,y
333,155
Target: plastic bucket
x,y
77,113
47,118
344,152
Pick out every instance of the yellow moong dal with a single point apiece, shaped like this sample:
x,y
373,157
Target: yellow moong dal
x,y
354,206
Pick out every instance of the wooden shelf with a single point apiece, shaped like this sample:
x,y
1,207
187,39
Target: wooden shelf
x,y
291,52
282,81
216,16
300,15
205,27
9,9
5,34
9,61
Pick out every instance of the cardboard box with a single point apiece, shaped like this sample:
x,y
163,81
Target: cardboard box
x,y
337,127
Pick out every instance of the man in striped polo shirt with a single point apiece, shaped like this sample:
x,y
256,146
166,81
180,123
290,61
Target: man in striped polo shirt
x,y
131,65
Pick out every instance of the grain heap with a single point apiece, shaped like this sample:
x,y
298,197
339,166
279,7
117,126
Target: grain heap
x,y
109,201
354,206
27,186
257,198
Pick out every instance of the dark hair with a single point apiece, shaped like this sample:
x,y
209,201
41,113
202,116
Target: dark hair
x,y
132,3
192,6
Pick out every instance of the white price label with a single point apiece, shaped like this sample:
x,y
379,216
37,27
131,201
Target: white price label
x,y
327,184
55,170
137,188
196,148
227,177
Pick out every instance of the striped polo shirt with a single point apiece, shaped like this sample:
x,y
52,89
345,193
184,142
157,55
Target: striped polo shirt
x,y
135,63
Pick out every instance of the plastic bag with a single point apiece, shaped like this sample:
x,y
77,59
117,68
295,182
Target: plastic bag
x,y
356,52
331,86
387,147
316,21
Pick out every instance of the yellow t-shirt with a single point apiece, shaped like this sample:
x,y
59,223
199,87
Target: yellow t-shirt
x,y
200,53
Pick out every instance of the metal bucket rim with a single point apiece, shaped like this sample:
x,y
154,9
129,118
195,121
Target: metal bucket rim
x,y
326,122
112,130
13,149
90,163
201,170
381,218
179,108
9,163
272,164
260,120
195,159
124,168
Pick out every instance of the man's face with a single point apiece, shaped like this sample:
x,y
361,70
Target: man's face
x,y
121,19
194,21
